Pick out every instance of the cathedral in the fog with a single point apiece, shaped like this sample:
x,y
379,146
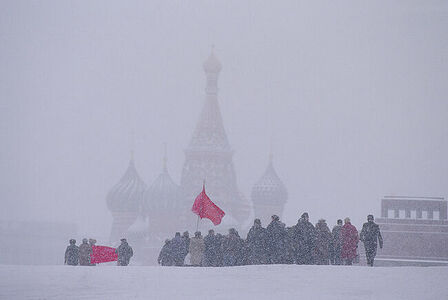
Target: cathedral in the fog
x,y
154,212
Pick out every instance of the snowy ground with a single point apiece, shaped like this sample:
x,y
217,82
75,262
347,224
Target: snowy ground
x,y
248,282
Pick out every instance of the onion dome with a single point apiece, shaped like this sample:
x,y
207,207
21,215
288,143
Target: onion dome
x,y
212,64
127,194
269,189
163,194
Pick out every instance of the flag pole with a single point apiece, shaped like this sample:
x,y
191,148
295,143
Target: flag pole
x,y
197,224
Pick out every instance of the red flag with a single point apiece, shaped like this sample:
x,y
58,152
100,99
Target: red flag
x,y
101,254
205,208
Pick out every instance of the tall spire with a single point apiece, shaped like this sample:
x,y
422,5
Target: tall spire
x,y
210,133
212,68
209,156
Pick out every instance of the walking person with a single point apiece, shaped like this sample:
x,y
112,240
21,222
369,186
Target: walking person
x,y
336,245
350,239
256,242
211,249
84,253
371,236
276,241
72,254
166,256
323,240
124,252
197,247
304,240
177,249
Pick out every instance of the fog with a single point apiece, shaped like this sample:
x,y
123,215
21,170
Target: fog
x,y
351,97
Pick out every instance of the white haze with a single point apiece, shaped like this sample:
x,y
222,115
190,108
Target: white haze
x,y
352,95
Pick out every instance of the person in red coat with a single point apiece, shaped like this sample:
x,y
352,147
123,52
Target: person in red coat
x,y
349,236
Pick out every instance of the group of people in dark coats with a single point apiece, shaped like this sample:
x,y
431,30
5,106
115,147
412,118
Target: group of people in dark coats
x,y
302,243
81,255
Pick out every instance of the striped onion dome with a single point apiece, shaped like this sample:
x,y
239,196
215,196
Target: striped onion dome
x,y
127,194
269,189
163,194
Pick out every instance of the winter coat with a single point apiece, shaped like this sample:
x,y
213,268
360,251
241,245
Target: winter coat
x,y
305,241
197,247
323,240
232,249
84,254
276,242
256,242
349,236
166,255
212,245
72,255
371,235
336,238
125,253
177,249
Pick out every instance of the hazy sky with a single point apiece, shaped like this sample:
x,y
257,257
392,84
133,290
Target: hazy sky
x,y
352,95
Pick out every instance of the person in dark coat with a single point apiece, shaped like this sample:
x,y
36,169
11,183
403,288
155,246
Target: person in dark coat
x,y
256,242
350,238
323,241
371,236
232,246
72,254
92,243
336,244
186,238
166,255
276,241
211,249
305,240
124,252
219,250
177,247
290,246
84,253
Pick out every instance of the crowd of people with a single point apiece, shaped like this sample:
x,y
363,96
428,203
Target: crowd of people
x,y
81,255
302,243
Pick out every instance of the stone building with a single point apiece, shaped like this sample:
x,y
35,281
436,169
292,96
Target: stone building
x,y
414,229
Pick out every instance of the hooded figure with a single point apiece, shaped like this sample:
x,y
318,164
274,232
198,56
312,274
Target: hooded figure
x,y
276,241
177,249
197,247
256,242
72,254
186,239
211,249
84,253
349,236
305,240
336,244
92,243
124,252
370,235
323,240
165,255
232,248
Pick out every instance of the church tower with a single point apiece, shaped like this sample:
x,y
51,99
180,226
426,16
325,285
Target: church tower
x,y
209,156
269,195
